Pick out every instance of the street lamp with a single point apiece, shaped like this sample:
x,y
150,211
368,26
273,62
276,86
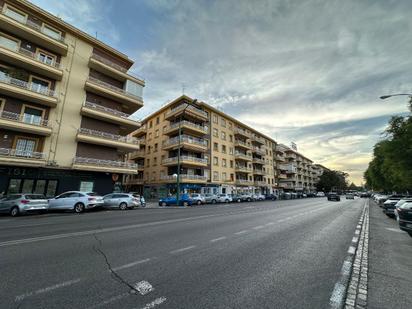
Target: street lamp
x,y
178,150
395,95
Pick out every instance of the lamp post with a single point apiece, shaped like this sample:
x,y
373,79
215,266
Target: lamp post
x,y
395,95
178,150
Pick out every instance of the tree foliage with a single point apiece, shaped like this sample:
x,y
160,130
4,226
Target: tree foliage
x,y
391,166
332,181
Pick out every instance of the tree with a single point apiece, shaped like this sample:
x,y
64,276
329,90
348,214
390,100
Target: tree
x,y
332,181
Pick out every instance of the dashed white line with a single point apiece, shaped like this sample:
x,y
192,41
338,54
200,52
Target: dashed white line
x,y
130,264
47,289
218,239
351,250
155,303
241,232
355,239
182,249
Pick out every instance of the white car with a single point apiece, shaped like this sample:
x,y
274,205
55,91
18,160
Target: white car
x,y
320,194
198,199
258,197
224,198
76,200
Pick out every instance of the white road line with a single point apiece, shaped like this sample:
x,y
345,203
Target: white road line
x,y
47,289
357,232
217,239
351,250
182,249
130,264
155,303
355,239
241,232
143,287
337,295
109,301
394,230
258,227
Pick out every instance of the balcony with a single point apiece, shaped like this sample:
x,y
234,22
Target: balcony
x,y
259,151
258,161
184,178
30,61
190,111
142,140
260,183
290,155
258,139
32,32
16,157
286,185
112,69
242,156
243,145
187,142
91,164
114,93
243,182
258,171
134,181
186,126
26,91
242,132
100,112
139,154
185,160
282,176
123,143
140,131
24,123
280,158
243,169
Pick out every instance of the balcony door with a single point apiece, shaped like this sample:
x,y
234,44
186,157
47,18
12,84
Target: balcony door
x,y
32,115
25,147
40,85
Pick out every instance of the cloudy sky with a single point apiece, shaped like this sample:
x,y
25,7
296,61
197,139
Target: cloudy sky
x,y
304,71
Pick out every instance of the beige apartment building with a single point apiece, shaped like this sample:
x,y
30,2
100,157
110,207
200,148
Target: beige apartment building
x,y
65,102
219,154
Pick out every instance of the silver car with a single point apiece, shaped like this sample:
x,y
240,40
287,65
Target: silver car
x,y
224,198
16,204
198,199
75,200
122,201
211,198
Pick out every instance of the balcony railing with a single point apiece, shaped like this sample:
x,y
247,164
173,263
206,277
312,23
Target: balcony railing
x,y
22,153
113,88
242,155
259,150
185,158
105,163
119,138
140,153
184,177
244,169
241,143
5,79
34,26
260,183
106,110
243,181
242,131
115,66
186,139
259,171
31,55
258,139
190,107
189,124
25,118
257,160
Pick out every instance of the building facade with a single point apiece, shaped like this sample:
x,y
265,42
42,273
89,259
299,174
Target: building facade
x,y
218,154
65,102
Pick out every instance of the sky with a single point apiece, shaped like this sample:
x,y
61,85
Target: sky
x,y
308,71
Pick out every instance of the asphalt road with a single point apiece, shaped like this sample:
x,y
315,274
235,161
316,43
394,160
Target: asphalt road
x,y
282,254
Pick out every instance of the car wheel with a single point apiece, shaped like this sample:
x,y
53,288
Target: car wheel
x,y
185,203
213,201
199,202
226,201
78,208
123,206
249,200
164,204
238,200
14,212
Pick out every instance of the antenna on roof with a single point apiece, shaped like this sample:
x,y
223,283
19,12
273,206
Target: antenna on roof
x,y
183,88
96,35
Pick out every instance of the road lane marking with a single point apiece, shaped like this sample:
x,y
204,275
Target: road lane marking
x,y
143,287
47,289
156,302
218,239
351,250
394,230
337,295
357,232
109,301
355,239
182,249
241,232
130,264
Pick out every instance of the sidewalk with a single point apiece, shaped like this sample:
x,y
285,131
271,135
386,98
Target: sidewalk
x,y
390,263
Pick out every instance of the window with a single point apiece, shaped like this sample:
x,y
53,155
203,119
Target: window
x,y
40,85
224,163
157,120
154,161
223,148
32,115
164,128
149,148
230,125
215,175
155,147
15,14
231,150
223,122
86,186
215,161
157,133
150,135
215,132
224,176
8,42
231,164
148,162
223,135
51,32
215,118
215,147
231,138
25,147
133,88
46,57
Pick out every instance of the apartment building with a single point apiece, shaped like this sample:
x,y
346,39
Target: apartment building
x,y
218,154
295,171
65,102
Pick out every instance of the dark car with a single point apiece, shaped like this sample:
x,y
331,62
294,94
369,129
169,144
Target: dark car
x,y
405,217
389,206
271,197
238,198
184,200
333,197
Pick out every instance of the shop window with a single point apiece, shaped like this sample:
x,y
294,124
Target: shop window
x,y
86,186
40,187
14,186
27,186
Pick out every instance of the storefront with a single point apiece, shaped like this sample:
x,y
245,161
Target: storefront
x,y
50,182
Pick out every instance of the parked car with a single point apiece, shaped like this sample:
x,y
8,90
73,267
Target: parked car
x,y
332,196
76,200
184,200
246,197
140,198
258,197
320,194
224,198
198,199
271,197
122,201
399,204
405,217
310,194
211,198
237,198
350,196
17,204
